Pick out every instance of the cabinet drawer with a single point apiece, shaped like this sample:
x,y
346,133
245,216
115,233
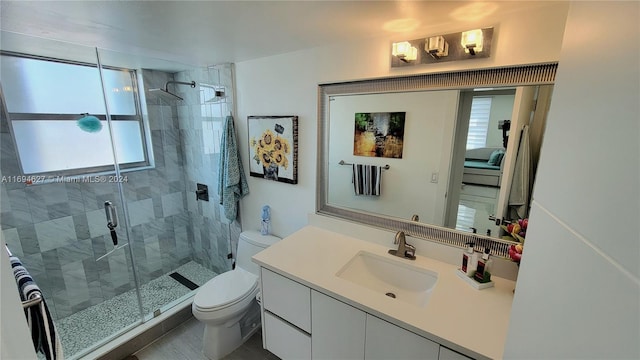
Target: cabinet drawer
x,y
284,340
287,299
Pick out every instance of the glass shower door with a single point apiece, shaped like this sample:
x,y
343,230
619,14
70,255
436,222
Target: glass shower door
x,y
62,203
169,238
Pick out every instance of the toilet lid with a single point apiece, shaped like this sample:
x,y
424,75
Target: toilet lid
x,y
225,289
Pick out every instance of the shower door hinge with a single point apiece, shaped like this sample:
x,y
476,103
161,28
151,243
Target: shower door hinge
x,y
157,313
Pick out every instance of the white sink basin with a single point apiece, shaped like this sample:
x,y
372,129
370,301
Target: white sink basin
x,y
390,277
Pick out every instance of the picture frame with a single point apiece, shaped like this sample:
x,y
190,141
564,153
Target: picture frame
x,y
379,134
273,148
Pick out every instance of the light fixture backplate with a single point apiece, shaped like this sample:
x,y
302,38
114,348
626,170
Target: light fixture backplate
x,y
456,51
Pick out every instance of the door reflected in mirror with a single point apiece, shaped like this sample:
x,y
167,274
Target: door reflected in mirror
x,y
484,129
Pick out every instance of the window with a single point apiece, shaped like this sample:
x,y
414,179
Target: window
x,y
466,218
212,115
44,99
479,122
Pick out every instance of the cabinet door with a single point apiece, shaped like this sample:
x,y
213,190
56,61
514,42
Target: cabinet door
x,y
337,329
387,341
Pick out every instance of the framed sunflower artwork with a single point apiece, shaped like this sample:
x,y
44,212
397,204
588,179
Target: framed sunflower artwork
x,y
273,148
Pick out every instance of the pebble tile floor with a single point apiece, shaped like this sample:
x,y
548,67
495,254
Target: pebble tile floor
x,y
90,326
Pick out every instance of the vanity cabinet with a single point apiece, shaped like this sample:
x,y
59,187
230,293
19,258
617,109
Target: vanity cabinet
x,y
286,314
338,329
387,341
301,323
284,340
448,354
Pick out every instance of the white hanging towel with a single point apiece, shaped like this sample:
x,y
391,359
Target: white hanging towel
x,y
366,179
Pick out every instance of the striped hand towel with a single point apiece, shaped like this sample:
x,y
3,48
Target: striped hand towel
x,y
43,331
366,179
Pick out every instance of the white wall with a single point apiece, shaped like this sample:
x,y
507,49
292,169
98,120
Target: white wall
x,y
287,85
578,293
406,188
501,109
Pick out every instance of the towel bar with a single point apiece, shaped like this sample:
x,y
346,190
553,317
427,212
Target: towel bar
x,y
36,297
342,162
31,302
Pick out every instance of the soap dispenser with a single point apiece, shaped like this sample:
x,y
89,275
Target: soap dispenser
x,y
483,273
469,260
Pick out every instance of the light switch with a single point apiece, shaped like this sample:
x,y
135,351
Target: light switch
x,y
434,177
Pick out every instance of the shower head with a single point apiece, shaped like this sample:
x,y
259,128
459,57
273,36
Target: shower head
x,y
166,95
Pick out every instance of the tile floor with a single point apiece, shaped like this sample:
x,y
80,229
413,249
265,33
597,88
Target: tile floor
x,y
90,326
185,343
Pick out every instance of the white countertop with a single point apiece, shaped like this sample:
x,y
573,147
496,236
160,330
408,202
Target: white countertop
x,y
473,322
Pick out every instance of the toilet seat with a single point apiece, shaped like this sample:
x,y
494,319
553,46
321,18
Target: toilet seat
x,y
225,290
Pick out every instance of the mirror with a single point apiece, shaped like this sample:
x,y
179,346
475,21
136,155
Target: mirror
x,y
455,155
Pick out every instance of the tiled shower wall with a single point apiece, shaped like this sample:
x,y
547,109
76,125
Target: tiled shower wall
x,y
198,125
59,229
201,130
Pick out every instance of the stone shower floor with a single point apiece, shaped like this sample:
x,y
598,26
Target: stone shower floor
x,y
92,325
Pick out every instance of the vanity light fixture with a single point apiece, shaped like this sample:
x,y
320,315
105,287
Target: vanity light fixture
x,y
475,44
472,41
404,51
437,47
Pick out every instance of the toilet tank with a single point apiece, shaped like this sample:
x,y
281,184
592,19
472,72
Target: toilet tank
x,y
250,243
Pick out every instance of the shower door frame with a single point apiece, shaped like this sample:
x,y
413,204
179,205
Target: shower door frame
x,y
87,176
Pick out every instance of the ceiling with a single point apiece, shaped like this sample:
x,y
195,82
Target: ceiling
x,y
203,33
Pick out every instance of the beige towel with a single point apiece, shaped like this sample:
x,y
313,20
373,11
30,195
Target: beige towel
x,y
521,184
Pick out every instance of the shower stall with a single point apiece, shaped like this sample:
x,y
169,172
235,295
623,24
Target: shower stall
x,y
108,214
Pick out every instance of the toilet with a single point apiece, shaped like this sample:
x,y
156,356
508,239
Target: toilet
x,y
228,301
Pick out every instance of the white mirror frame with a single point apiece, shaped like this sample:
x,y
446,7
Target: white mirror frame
x,y
524,75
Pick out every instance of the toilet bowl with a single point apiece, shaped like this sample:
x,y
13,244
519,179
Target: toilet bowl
x,y
224,301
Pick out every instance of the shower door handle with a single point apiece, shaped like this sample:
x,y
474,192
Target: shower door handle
x,y
112,220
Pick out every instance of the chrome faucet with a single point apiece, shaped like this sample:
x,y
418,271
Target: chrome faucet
x,y
405,250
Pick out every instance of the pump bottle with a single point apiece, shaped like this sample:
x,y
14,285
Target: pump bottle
x,y
483,273
469,261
